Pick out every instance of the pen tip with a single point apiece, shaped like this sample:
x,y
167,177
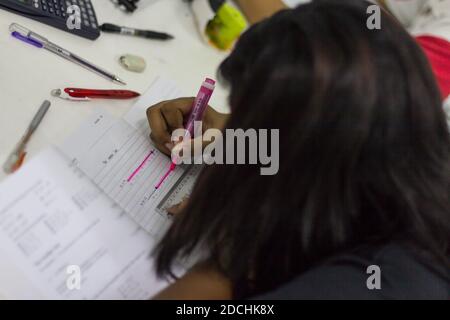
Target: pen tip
x,y
118,80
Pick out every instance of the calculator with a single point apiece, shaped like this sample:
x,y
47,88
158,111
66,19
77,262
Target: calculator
x,y
54,13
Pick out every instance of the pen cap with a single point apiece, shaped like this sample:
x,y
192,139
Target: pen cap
x,y
210,81
14,27
208,86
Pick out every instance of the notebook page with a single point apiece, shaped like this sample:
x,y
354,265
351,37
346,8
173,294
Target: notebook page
x,y
121,160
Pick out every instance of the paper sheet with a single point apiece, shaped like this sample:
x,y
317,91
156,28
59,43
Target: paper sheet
x,y
120,159
162,89
71,206
53,217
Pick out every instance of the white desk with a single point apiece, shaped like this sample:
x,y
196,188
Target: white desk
x,y
27,74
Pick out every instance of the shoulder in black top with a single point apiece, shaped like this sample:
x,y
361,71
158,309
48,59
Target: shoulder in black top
x,y
402,277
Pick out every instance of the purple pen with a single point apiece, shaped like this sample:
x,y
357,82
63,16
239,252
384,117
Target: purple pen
x,y
30,37
35,43
198,110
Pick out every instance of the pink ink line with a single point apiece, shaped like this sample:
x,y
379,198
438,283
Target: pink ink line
x,y
138,169
172,167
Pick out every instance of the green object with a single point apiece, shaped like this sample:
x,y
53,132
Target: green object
x,y
226,27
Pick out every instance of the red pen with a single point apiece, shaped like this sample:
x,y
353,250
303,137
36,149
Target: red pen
x,y
78,94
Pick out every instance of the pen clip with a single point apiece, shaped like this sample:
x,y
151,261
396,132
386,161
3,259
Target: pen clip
x,y
33,42
64,95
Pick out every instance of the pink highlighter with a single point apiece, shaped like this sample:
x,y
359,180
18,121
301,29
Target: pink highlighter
x,y
198,110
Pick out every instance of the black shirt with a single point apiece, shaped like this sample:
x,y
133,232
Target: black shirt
x,y
346,277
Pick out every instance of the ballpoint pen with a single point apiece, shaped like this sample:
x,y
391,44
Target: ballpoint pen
x,y
78,94
109,27
15,159
39,41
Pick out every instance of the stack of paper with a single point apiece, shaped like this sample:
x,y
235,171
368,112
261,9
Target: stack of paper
x,y
72,220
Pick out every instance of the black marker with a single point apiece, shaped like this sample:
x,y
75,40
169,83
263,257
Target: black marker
x,y
108,27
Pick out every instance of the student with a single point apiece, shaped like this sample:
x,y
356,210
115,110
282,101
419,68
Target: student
x,y
364,177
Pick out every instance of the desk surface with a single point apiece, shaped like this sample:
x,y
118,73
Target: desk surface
x,y
28,74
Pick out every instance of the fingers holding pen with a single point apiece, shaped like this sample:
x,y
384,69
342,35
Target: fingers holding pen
x,y
164,118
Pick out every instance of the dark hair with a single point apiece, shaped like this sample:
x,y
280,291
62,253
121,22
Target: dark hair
x,y
364,150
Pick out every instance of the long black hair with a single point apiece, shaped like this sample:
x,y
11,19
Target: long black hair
x,y
364,150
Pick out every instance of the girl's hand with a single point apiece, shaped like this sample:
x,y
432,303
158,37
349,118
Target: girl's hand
x,y
167,116
178,208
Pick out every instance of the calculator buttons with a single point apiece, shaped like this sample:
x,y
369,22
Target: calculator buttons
x,y
56,13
